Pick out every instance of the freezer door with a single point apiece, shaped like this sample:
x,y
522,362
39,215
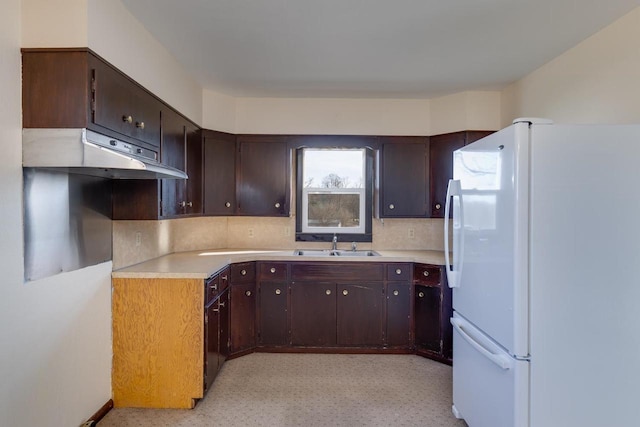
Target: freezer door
x,y
490,388
490,238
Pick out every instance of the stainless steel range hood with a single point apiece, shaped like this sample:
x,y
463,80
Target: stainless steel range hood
x,y
85,152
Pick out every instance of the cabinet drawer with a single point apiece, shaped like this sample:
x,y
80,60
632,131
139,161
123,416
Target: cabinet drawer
x,y
426,275
272,271
346,271
399,272
243,272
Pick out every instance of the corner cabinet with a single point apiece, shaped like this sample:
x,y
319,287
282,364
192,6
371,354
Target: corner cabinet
x,y
404,177
441,148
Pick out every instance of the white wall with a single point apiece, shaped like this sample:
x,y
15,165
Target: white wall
x,y
218,111
594,82
473,110
55,334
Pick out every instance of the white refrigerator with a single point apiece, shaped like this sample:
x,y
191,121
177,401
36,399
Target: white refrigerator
x,y
546,276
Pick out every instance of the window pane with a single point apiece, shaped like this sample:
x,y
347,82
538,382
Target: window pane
x,y
333,168
334,210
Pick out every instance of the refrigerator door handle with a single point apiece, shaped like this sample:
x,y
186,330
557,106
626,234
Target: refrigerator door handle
x,y
453,273
502,360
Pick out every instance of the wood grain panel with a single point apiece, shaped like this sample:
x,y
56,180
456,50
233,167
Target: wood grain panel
x,y
157,342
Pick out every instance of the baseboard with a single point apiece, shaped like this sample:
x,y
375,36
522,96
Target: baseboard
x,y
434,356
95,418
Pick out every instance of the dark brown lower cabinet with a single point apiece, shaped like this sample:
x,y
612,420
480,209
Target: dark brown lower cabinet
x,y
313,314
398,314
242,317
359,314
216,340
427,318
273,314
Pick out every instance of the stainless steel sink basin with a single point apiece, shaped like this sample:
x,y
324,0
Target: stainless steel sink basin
x,y
327,252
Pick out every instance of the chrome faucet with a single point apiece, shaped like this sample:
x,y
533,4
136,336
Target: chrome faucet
x,y
334,245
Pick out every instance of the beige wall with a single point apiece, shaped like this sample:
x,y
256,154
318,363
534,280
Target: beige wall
x,y
594,82
463,111
60,23
55,333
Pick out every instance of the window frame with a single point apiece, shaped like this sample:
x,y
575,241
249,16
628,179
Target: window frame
x,y
327,236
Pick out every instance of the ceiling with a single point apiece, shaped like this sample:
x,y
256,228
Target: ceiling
x,y
368,48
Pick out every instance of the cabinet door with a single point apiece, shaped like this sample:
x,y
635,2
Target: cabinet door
x,y
263,187
219,174
173,154
194,170
404,183
242,317
211,343
223,334
313,314
427,318
441,148
398,314
359,314
273,314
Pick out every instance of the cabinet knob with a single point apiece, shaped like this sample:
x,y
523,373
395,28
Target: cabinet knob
x,y
420,294
391,206
398,271
345,292
425,273
127,119
182,204
227,205
248,293
328,292
272,270
140,125
396,293
243,272
278,291
277,205
438,206
190,204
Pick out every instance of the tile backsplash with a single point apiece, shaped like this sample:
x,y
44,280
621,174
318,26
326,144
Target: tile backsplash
x,y
138,241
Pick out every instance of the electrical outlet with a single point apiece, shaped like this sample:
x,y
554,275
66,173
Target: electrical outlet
x,y
251,232
138,238
412,233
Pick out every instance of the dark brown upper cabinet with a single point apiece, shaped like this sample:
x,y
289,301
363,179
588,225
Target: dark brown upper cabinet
x,y
441,164
181,148
263,179
74,88
219,174
404,177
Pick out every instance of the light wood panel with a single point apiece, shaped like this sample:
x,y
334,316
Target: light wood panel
x,y
158,344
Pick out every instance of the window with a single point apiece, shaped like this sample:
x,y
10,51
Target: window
x,y
334,194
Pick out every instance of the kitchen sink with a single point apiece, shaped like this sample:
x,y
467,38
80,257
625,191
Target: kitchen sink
x,y
328,252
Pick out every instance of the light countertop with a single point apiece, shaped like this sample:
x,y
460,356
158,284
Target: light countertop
x,y
202,264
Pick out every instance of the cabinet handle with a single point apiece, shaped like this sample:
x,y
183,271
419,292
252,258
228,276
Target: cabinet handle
x,y
272,270
227,205
215,310
248,293
224,278
278,292
277,205
221,304
438,206
391,206
425,273
345,292
140,125
398,271
243,272
328,292
420,294
127,119
214,287
396,293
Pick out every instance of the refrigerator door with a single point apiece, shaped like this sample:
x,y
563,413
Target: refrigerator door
x,y
490,388
490,236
